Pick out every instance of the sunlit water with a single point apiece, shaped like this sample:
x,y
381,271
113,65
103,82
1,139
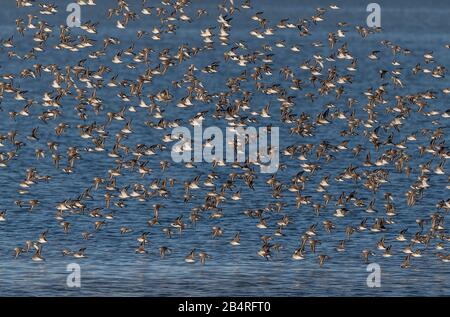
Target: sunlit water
x,y
113,268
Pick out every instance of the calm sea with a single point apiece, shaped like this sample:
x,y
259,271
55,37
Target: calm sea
x,y
113,268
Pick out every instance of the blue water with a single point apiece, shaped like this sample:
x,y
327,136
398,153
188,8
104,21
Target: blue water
x,y
113,268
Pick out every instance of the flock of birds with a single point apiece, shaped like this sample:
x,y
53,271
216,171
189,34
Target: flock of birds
x,y
72,106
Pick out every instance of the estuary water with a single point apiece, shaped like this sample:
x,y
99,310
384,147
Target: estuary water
x,y
112,267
